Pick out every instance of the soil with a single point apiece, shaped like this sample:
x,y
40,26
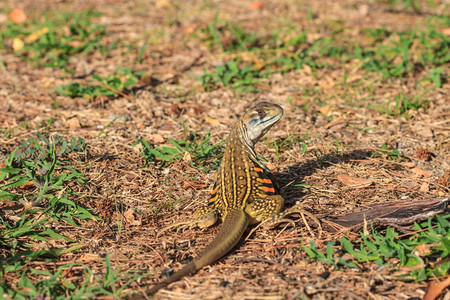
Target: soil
x,y
334,118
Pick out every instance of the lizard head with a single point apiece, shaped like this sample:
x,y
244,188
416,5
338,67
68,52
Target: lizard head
x,y
259,119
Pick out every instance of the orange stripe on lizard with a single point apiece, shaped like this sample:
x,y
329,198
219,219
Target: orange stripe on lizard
x,y
215,190
257,169
264,180
268,189
213,199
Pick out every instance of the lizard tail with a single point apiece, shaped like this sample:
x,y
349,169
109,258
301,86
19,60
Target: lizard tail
x,y
233,227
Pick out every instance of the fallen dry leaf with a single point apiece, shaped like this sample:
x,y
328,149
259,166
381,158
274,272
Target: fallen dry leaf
x,y
129,216
17,44
88,257
175,110
211,120
423,249
187,157
326,110
74,123
29,183
256,5
190,29
194,185
408,164
36,35
434,289
163,4
420,172
17,16
46,83
354,181
156,138
3,18
424,187
271,166
425,132
446,31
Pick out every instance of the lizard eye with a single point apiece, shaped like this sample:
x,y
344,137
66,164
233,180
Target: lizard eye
x,y
261,112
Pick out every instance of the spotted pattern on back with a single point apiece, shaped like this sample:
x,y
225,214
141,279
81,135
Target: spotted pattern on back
x,y
240,179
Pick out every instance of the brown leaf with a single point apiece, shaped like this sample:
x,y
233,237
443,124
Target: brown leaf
x,y
211,120
326,110
194,185
175,110
434,289
425,132
424,249
408,164
446,31
354,181
256,5
190,29
88,257
187,157
163,4
17,16
129,216
29,183
17,44
271,166
74,123
36,35
156,138
424,187
420,172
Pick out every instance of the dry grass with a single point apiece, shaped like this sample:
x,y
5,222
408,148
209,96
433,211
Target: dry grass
x,y
331,115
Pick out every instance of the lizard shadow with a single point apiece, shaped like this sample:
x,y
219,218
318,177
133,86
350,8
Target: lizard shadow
x,y
290,180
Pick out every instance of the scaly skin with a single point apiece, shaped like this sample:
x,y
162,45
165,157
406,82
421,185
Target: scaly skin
x,y
244,191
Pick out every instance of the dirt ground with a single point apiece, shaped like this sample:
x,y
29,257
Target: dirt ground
x,y
325,110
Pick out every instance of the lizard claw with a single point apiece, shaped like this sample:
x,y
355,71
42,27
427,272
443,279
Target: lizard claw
x,y
180,225
296,209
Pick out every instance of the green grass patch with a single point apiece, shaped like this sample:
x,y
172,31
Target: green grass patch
x,y
428,246
401,105
52,39
389,154
402,52
39,178
74,279
233,76
392,54
203,154
118,83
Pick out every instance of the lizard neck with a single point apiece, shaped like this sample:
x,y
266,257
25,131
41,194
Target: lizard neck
x,y
239,139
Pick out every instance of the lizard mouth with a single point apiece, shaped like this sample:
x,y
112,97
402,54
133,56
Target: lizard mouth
x,y
276,117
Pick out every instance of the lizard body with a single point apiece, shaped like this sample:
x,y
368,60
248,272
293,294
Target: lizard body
x,y
244,191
